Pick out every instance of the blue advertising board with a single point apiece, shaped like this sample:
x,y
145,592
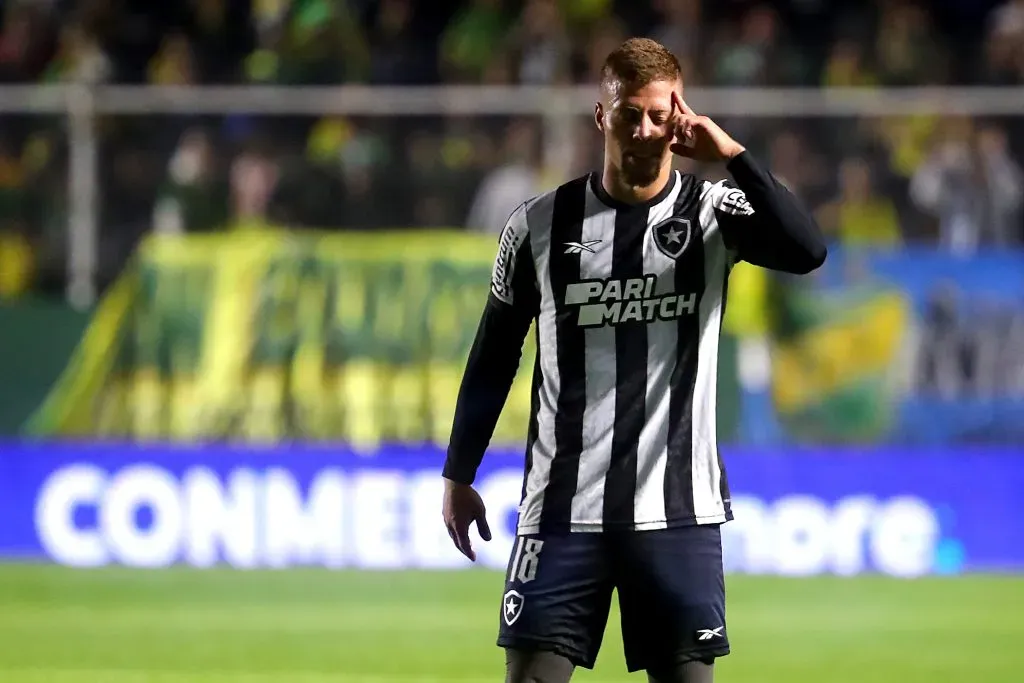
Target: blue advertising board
x,y
903,513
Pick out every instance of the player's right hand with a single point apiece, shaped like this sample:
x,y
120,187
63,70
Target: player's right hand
x,y
461,507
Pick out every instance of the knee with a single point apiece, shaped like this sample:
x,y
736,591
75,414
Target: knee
x,y
536,667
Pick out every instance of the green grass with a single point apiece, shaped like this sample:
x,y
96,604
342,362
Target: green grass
x,y
184,626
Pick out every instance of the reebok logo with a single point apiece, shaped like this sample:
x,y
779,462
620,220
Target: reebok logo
x,y
710,633
580,247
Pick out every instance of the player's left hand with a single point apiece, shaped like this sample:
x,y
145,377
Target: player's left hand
x,y
698,137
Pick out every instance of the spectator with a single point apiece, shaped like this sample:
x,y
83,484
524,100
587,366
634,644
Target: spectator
x,y
679,28
80,57
16,264
396,58
322,44
906,48
1004,47
797,167
365,169
194,196
510,184
471,41
25,41
175,63
1008,19
757,56
221,34
133,31
254,176
972,187
16,259
860,216
605,35
846,67
540,44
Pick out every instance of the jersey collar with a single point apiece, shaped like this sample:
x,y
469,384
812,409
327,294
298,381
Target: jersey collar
x,y
598,189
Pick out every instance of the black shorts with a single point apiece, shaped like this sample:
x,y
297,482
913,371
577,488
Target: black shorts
x,y
671,587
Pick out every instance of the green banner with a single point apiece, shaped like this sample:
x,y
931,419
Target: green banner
x,y
838,362
269,336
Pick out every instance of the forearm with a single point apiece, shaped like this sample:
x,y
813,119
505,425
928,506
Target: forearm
x,y
783,235
490,371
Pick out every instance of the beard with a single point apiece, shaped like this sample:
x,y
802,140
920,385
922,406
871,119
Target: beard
x,y
640,171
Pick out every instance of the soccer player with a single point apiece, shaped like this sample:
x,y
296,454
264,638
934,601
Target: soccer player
x,y
625,273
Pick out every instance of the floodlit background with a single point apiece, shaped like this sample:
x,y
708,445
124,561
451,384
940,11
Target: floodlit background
x,y
243,249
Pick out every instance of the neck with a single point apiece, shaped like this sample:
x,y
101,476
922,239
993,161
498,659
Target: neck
x,y
619,189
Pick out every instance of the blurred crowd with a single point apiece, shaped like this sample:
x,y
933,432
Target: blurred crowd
x,y
952,181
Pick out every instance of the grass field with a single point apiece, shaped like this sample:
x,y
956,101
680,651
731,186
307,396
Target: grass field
x,y
183,626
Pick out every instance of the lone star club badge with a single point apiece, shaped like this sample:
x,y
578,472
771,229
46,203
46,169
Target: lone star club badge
x,y
672,236
512,606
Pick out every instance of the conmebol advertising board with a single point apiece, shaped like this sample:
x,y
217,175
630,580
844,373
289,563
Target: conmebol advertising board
x,y
797,512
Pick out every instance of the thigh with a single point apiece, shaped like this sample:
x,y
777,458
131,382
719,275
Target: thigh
x,y
557,596
671,587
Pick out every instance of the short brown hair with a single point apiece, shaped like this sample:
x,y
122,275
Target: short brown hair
x,y
640,61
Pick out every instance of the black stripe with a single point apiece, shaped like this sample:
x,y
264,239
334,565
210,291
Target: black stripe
x,y
534,428
689,278
563,269
630,372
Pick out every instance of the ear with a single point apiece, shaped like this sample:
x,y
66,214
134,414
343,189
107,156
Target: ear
x,y
599,116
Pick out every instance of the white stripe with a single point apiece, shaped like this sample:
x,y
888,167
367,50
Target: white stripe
x,y
599,349
662,337
543,452
708,507
725,199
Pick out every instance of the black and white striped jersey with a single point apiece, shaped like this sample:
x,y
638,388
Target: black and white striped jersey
x,y
628,302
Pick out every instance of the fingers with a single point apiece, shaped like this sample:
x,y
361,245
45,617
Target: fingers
x,y
685,120
460,509
459,533
686,134
482,527
680,106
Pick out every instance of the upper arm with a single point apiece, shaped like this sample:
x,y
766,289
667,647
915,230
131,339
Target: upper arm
x,y
733,214
513,277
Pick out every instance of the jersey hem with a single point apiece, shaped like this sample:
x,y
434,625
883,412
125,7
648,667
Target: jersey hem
x,y
598,527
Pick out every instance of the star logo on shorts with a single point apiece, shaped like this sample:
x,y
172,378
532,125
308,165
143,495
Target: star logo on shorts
x,y
672,236
512,606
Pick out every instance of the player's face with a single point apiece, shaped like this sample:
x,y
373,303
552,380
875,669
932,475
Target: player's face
x,y
638,128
